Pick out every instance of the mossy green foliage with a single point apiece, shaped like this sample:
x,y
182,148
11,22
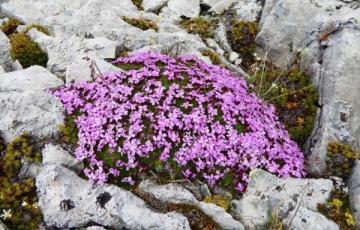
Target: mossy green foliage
x,y
214,57
340,159
294,98
24,49
141,23
138,4
10,26
18,196
242,40
338,209
201,26
69,131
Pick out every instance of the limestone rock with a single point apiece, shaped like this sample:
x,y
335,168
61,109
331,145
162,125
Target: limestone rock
x,y
248,10
285,24
63,52
54,154
335,69
67,201
153,5
305,219
5,59
266,192
188,8
175,193
87,69
26,106
354,188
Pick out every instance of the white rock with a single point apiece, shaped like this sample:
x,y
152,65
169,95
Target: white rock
x,y
26,106
63,52
5,58
2,69
175,193
54,154
335,69
233,56
354,188
188,8
153,5
285,24
67,201
248,10
305,219
221,6
34,78
265,192
87,69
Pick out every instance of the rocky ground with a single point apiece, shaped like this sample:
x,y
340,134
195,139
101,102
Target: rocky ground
x,y
85,34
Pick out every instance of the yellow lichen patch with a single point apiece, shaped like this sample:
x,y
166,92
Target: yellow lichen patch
x,y
18,201
10,26
218,200
140,23
201,26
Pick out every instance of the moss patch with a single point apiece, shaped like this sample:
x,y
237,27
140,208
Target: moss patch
x,y
340,160
27,51
18,201
10,26
143,24
69,131
214,57
242,40
204,28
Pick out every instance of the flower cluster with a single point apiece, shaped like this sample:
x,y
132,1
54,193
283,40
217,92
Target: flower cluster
x,y
200,118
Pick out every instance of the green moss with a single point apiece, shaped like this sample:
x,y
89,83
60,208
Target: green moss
x,y
10,26
294,98
38,27
214,57
242,37
138,4
201,26
27,51
143,24
18,196
338,209
242,40
340,160
69,131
